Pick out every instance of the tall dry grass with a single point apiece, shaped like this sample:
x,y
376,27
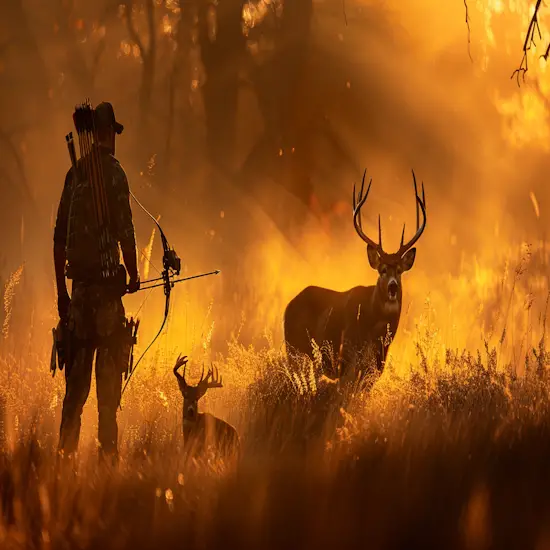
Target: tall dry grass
x,y
448,449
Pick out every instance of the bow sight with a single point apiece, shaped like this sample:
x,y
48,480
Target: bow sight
x,y
172,261
171,268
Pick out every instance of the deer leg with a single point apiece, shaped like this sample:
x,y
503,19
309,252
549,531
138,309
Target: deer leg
x,y
380,357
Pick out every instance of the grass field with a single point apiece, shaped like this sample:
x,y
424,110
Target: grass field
x,y
449,449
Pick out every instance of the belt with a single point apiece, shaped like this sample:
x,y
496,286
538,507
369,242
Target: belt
x,y
93,276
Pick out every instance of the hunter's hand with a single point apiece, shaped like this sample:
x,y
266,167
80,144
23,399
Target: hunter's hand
x,y
63,303
133,285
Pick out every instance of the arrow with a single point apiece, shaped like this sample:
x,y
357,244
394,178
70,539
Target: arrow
x,y
174,281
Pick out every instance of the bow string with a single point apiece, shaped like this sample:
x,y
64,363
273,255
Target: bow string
x,y
171,267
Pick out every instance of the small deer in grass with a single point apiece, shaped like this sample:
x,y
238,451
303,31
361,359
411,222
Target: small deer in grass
x,y
202,431
361,317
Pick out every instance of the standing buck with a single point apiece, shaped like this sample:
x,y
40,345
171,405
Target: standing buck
x,y
361,318
203,431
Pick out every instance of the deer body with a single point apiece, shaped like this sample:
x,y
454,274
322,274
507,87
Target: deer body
x,y
203,431
349,321
208,432
364,318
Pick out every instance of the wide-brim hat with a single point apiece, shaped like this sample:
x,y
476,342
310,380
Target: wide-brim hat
x,y
105,117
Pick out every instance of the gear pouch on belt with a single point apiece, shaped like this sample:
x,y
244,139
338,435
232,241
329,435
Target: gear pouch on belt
x,y
129,335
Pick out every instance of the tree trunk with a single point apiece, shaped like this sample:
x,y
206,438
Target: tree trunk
x,y
80,70
145,95
281,84
180,89
148,56
222,51
295,106
35,78
26,73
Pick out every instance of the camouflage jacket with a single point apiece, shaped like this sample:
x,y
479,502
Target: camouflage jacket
x,y
76,225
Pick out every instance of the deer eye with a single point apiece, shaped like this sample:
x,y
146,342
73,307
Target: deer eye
x,y
383,270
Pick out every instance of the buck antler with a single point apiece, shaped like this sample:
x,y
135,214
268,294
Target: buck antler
x,y
181,361
420,202
358,203
212,380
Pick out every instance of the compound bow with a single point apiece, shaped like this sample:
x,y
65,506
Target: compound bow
x,y
171,267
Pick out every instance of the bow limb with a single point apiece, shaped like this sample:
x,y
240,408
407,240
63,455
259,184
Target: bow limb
x,y
171,265
165,318
165,245
162,235
167,292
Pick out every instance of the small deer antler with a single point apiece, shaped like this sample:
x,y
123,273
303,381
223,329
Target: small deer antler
x,y
212,380
215,379
181,361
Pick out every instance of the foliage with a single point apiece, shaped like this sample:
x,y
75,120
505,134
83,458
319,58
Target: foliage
x,y
437,456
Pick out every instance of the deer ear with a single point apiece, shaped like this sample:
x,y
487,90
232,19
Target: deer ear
x,y
374,257
407,261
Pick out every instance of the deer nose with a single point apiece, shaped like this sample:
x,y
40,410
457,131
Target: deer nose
x,y
392,288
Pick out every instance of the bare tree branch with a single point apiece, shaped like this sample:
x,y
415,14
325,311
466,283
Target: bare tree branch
x,y
151,26
109,11
530,41
6,140
97,57
83,72
132,32
344,10
469,31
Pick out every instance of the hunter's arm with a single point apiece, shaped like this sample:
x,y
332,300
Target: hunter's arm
x,y
59,260
125,226
130,260
60,236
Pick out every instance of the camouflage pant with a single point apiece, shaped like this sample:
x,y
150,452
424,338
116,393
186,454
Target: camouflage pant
x,y
95,324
